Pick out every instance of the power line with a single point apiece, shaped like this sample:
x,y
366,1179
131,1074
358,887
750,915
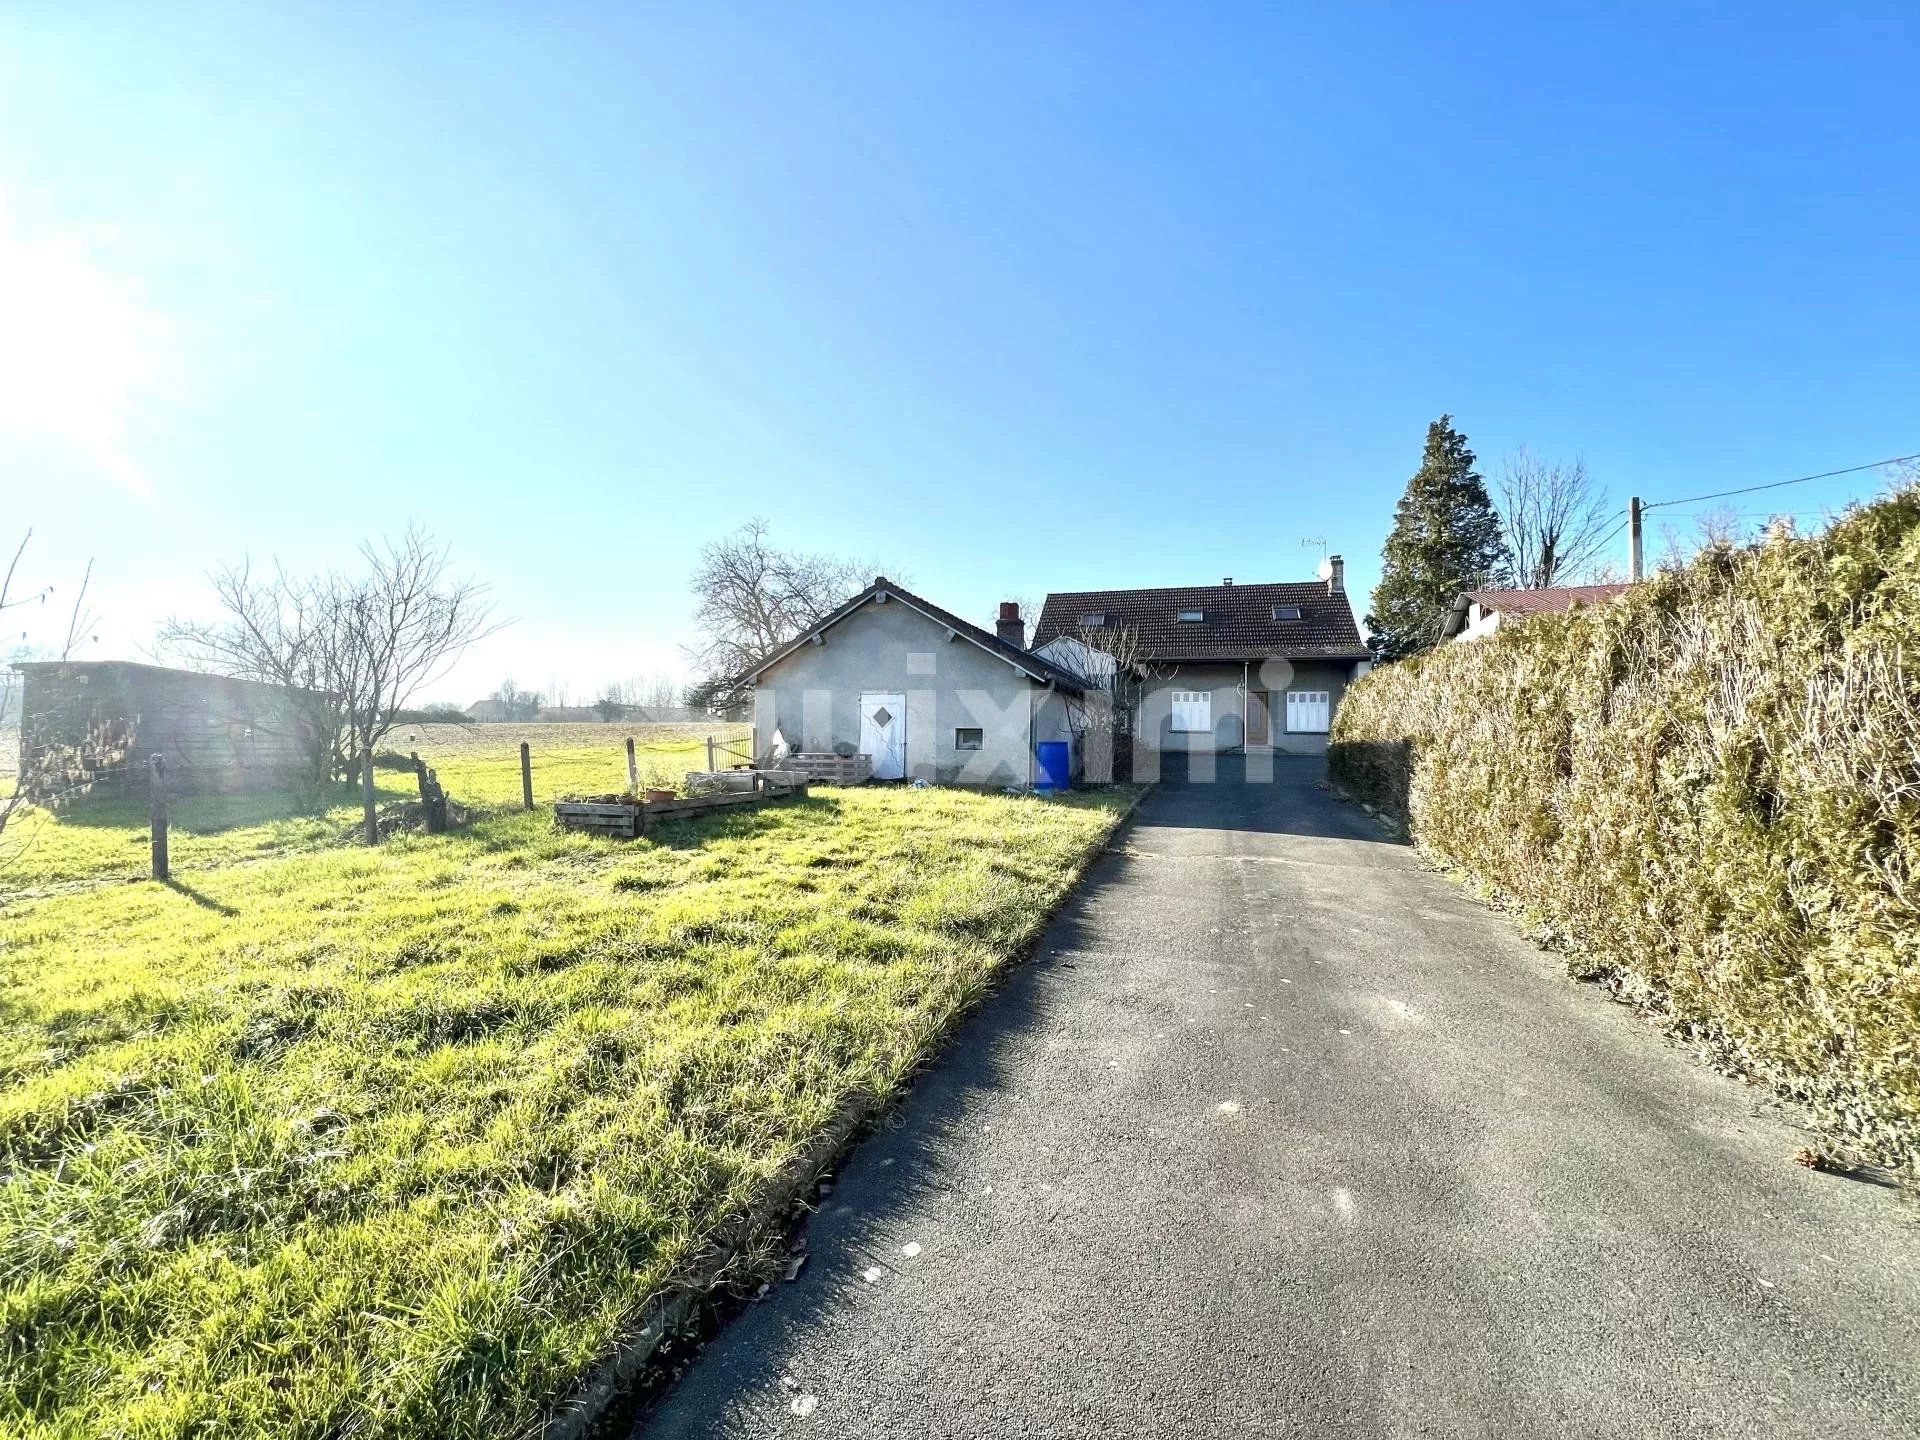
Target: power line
x,y
1776,484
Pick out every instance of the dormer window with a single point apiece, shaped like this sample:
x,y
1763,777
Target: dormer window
x,y
1093,620
1191,617
1286,612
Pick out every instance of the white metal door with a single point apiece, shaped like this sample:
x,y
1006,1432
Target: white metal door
x,y
883,734
1308,712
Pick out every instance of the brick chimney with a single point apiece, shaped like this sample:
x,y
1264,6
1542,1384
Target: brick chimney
x,y
1333,570
1010,627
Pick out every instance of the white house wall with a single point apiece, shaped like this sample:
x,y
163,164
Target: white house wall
x,y
812,697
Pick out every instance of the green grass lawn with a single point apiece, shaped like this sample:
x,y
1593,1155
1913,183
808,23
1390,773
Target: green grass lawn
x,y
398,1142
106,840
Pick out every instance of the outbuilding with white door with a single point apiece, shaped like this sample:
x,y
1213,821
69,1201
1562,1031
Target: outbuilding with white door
x,y
922,692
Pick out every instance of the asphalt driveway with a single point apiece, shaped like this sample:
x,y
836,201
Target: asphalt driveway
x,y
1282,1135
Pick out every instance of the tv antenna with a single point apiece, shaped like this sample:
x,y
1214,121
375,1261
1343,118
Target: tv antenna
x,y
1313,540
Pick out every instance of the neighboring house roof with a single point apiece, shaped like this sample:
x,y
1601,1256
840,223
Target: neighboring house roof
x,y
1237,621
1034,666
1525,602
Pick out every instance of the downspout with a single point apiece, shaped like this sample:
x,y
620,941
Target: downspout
x,y
1033,761
1246,701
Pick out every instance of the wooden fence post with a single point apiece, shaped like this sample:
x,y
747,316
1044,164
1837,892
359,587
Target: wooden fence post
x,y
710,765
157,795
633,766
366,798
430,818
526,776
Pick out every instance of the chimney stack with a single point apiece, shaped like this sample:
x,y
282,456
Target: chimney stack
x,y
1227,580
1333,570
1010,627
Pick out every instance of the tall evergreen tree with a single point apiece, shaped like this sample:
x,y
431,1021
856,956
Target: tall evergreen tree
x,y
1446,538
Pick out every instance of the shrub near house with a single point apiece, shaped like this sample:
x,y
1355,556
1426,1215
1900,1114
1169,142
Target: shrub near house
x,y
1710,787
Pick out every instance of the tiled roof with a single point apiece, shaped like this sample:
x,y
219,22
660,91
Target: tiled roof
x,y
1037,667
1236,621
1529,602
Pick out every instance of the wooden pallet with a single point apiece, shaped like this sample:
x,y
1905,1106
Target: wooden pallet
x,y
830,769
625,821
722,782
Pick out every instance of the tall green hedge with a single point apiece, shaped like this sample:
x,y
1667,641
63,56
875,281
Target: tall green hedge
x,y
1709,788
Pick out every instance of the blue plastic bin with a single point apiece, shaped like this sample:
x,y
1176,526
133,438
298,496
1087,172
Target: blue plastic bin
x,y
1055,767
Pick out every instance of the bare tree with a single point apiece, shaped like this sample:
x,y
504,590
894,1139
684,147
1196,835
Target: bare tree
x,y
754,598
1556,520
1117,669
353,648
612,704
1718,527
12,708
514,703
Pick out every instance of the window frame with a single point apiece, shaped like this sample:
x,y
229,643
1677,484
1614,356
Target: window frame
x,y
1182,705
1094,620
977,731
1189,617
1292,612
1323,707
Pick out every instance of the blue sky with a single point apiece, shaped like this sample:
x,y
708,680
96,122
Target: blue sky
x,y
1009,297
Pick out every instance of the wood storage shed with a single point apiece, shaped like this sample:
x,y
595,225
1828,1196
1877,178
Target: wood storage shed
x,y
90,727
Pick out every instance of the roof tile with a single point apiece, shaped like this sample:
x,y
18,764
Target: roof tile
x,y
1238,623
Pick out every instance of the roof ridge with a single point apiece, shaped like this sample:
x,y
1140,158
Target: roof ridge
x,y
1156,589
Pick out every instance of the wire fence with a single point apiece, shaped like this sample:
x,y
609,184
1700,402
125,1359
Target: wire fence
x,y
97,823
480,767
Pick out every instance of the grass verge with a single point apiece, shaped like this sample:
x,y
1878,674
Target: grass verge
x,y
401,1142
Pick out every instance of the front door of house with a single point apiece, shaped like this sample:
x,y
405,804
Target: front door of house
x,y
1259,725
883,734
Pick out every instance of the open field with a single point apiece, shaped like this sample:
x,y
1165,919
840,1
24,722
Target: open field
x,y
398,1141
106,840
480,764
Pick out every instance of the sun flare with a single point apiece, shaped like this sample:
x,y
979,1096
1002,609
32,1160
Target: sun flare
x,y
77,347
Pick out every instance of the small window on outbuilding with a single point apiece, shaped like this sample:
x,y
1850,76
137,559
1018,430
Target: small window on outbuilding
x,y
1286,612
1191,617
1093,620
969,737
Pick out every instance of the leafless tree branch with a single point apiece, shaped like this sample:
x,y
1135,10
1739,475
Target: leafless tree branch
x,y
12,693
1556,520
754,598
355,647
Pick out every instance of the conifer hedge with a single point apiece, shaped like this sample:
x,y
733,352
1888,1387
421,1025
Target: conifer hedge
x,y
1709,790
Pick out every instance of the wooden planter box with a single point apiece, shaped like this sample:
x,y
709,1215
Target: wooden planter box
x,y
831,769
625,821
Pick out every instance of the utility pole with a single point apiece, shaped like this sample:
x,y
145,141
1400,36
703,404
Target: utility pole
x,y
1633,540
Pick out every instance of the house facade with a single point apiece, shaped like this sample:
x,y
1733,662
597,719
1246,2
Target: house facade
x,y
1219,668
924,693
1121,676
